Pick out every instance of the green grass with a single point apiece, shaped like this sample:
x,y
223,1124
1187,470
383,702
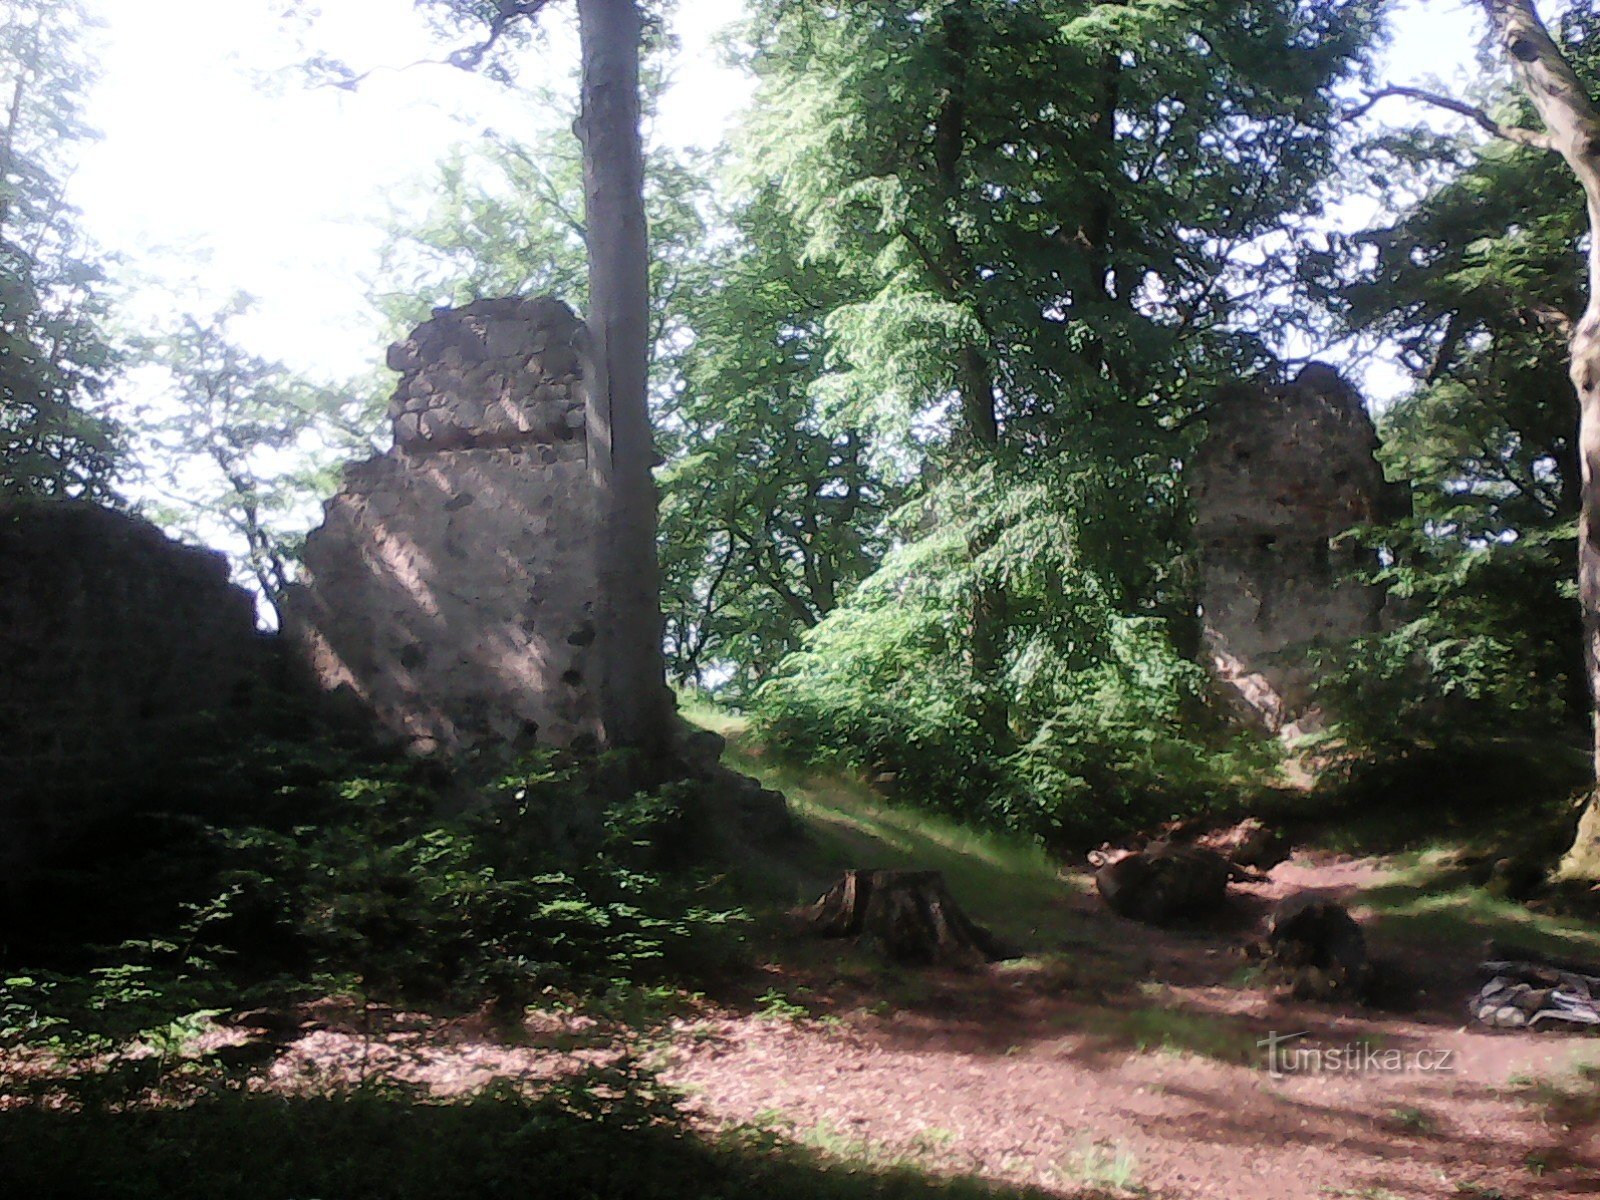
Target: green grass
x,y
1170,1031
1411,1119
1426,903
1103,1166
1008,882
1571,1098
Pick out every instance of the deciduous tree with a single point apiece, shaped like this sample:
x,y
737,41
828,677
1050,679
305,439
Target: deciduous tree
x,y
55,438
1571,128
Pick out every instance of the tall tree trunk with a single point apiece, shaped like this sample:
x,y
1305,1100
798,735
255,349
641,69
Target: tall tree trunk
x,y
635,703
986,644
1573,124
27,65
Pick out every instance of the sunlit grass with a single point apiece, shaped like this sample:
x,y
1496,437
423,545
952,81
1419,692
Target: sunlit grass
x,y
1171,1031
1100,1165
1570,1097
699,711
1427,902
1004,880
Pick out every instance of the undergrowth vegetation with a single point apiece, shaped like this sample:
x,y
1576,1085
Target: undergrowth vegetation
x,y
1108,727
373,880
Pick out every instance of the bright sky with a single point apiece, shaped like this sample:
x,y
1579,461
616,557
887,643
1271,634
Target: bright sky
x,y
219,170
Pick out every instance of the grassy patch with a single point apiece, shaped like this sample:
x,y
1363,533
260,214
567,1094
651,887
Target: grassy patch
x,y
1104,1166
1171,1031
1411,1120
1571,1099
1425,902
1008,882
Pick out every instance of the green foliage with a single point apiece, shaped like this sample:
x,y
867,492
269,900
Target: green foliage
x,y
240,449
1479,284
503,218
500,902
768,517
1060,185
1483,648
1108,724
55,438
1040,213
343,875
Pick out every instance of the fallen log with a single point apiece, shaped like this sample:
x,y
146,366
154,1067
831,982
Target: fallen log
x,y
907,916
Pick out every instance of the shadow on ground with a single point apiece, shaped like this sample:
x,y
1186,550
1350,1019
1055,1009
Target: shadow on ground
x,y
380,1142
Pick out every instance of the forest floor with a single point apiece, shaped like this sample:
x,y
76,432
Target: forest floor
x,y
1114,1059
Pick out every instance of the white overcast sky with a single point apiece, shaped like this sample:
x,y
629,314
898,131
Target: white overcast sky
x,y
220,170
209,181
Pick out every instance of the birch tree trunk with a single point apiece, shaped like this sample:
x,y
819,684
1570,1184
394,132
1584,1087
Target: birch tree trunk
x,y
1572,124
635,704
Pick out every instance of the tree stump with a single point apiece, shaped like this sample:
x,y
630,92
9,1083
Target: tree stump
x,y
1317,945
907,916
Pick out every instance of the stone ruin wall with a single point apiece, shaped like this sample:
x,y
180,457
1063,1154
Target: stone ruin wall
x,y
1284,474
126,659
449,593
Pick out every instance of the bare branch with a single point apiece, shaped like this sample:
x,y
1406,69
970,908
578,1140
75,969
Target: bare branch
x,y
467,58
1509,133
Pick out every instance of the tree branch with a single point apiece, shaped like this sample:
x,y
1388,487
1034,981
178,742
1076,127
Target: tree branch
x,y
1509,133
467,58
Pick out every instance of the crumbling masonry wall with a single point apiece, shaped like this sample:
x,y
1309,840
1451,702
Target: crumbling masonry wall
x,y
449,593
127,659
1285,473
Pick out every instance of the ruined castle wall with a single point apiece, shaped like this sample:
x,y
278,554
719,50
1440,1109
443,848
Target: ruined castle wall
x,y
126,658
1285,473
449,592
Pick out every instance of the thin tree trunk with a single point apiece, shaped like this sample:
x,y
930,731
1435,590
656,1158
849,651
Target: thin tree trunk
x,y
634,701
1573,125
975,383
26,68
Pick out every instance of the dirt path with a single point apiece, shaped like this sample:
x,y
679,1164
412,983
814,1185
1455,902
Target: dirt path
x,y
1060,1111
1120,1060
1036,1074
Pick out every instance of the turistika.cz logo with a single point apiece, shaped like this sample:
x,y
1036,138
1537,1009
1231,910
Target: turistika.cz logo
x,y
1286,1055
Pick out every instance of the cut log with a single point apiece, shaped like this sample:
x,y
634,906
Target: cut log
x,y
907,916
1164,883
